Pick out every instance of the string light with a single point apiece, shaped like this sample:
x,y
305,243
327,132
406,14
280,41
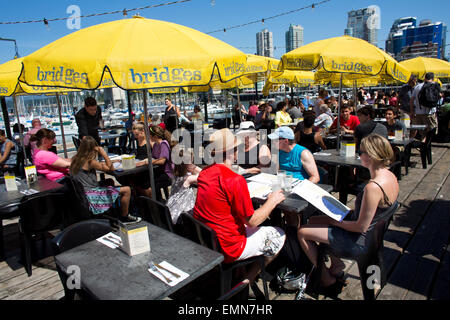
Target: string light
x,y
272,17
124,12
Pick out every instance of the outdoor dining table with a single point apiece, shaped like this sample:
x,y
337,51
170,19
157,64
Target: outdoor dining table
x,y
110,274
332,157
107,136
292,204
417,127
42,185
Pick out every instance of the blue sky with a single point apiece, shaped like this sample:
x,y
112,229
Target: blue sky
x,y
325,21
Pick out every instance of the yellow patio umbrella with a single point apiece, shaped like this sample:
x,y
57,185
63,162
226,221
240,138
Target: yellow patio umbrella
x,y
257,68
421,65
288,77
10,86
138,53
351,58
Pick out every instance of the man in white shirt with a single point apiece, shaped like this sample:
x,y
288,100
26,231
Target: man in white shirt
x,y
422,115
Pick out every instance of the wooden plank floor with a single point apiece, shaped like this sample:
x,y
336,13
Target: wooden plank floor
x,y
417,253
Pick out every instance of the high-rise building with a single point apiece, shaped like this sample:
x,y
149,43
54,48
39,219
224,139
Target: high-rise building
x,y
264,43
407,40
394,42
364,24
294,37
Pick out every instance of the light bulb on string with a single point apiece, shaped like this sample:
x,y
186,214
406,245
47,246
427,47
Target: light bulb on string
x,y
124,12
312,7
46,24
262,21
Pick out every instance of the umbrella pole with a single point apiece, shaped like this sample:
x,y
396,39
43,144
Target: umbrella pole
x,y
239,101
6,118
62,126
149,147
339,115
20,130
205,102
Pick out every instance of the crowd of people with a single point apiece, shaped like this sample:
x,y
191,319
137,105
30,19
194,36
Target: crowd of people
x,y
222,199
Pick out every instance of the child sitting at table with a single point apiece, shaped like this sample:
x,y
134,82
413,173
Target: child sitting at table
x,y
161,143
100,199
182,197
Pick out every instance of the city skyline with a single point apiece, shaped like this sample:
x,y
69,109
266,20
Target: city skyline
x,y
324,21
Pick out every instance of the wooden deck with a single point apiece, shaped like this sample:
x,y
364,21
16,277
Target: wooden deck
x,y
417,252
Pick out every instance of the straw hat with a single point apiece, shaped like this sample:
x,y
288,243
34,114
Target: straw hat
x,y
224,140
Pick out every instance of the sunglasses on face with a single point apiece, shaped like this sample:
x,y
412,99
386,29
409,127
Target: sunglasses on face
x,y
360,152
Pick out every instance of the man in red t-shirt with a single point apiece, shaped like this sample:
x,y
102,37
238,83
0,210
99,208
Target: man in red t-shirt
x,y
348,122
224,204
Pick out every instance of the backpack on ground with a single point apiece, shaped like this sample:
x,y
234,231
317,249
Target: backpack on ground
x,y
429,95
293,267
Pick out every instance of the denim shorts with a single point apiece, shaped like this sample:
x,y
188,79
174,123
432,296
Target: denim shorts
x,y
344,243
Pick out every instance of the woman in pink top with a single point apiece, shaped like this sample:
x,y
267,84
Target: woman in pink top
x,y
47,163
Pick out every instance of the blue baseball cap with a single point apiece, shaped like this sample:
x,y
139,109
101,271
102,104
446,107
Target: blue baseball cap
x,y
282,133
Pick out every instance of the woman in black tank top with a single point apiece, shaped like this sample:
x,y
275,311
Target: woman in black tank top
x,y
255,155
348,237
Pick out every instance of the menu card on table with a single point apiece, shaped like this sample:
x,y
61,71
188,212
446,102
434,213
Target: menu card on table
x,y
135,238
10,182
322,200
31,174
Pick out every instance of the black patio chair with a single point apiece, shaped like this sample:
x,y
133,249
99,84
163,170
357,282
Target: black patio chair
x,y
38,215
7,212
73,236
372,257
156,213
200,233
76,142
238,292
424,147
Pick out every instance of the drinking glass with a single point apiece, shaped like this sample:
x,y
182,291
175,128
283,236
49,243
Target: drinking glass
x,y
276,185
281,178
288,180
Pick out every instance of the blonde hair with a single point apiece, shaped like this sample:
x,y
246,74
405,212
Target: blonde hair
x,y
378,148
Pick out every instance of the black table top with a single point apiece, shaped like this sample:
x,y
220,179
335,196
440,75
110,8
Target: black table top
x,y
336,159
402,142
122,173
111,274
293,202
41,185
105,136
